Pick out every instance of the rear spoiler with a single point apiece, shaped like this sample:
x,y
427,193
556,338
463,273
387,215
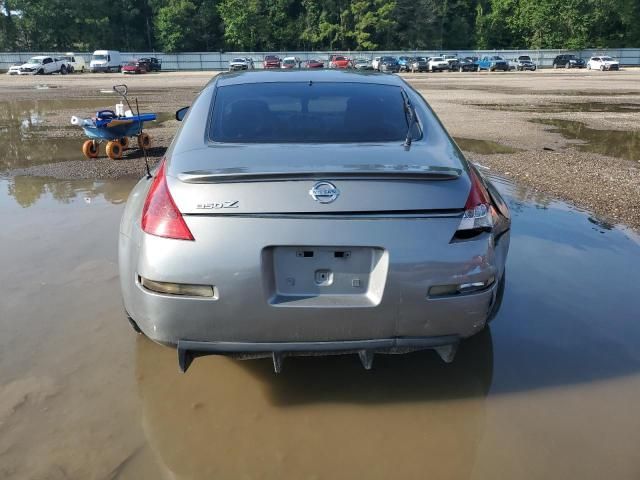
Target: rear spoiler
x,y
400,172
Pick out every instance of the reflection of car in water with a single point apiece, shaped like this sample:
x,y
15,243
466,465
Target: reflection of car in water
x,y
414,417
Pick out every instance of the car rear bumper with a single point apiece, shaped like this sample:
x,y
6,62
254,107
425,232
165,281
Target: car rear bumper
x,y
249,306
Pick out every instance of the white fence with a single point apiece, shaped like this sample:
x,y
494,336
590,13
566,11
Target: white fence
x,y
220,61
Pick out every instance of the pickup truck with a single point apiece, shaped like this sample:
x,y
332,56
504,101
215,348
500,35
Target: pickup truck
x,y
523,62
42,65
493,63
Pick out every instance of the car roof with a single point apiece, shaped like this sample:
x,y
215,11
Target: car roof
x,y
259,76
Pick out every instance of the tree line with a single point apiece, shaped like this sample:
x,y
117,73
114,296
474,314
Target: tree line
x,y
281,25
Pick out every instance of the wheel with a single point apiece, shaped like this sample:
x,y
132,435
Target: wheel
x,y
114,150
82,69
90,149
40,72
124,142
133,323
498,300
144,141
63,70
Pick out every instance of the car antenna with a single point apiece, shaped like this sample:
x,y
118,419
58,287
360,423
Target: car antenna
x,y
411,114
144,149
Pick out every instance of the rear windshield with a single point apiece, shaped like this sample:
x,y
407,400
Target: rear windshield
x,y
309,113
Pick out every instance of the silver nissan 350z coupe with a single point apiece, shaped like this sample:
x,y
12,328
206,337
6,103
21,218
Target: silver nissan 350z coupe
x,y
308,212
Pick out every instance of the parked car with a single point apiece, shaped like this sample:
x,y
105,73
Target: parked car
x,y
523,62
468,64
389,64
291,62
271,61
44,65
375,63
362,64
75,63
134,67
404,63
14,69
603,63
419,64
239,63
339,61
452,60
492,63
213,227
314,64
105,61
568,61
155,65
438,64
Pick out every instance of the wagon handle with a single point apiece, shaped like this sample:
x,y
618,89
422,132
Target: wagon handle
x,y
120,89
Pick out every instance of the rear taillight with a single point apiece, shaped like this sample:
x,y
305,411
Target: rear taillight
x,y
479,213
160,216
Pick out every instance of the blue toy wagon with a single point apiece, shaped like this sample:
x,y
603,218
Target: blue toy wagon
x,y
114,128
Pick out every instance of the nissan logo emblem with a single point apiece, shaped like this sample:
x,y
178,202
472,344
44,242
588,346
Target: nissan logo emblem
x,y
324,192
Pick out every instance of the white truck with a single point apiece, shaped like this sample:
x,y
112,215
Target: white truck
x,y
44,65
75,63
105,61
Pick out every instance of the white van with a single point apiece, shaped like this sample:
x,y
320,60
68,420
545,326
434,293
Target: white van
x,y
76,62
105,61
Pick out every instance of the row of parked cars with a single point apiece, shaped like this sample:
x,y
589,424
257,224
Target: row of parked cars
x,y
445,62
101,61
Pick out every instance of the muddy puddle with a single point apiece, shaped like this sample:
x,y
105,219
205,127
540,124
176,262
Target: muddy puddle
x,y
483,147
37,132
547,392
557,107
615,143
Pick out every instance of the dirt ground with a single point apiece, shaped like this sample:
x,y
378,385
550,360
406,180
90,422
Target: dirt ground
x,y
574,134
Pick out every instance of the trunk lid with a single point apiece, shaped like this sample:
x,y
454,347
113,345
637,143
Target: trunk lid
x,y
319,179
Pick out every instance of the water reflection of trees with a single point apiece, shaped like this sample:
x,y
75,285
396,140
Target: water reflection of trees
x,y
28,190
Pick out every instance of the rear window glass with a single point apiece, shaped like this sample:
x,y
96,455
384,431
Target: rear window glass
x,y
309,113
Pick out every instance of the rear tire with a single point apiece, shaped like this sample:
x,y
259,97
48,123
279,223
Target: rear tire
x,y
63,70
114,150
495,308
144,141
133,324
90,149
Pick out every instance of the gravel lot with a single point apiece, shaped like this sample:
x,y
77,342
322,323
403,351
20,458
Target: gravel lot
x,y
484,106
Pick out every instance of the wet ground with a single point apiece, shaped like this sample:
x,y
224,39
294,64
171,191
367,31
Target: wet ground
x,y
617,143
549,392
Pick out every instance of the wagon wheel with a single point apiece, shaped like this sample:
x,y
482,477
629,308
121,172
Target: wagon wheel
x,y
124,142
144,141
90,149
114,150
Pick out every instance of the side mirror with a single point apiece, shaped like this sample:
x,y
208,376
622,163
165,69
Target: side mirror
x,y
180,114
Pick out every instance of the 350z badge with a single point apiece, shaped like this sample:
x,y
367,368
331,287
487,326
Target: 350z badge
x,y
218,205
